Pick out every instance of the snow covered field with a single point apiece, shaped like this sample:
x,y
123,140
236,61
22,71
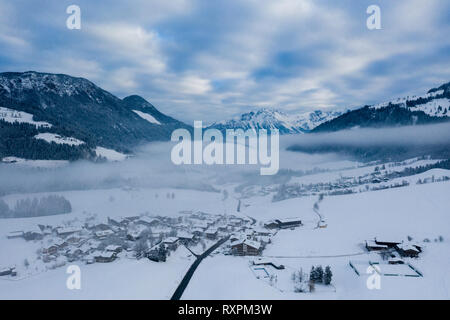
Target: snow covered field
x,y
418,211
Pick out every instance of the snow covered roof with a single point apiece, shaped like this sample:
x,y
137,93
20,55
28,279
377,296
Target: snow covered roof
x,y
388,240
15,234
112,247
104,233
287,220
105,254
373,244
407,247
147,219
65,230
254,244
185,236
170,240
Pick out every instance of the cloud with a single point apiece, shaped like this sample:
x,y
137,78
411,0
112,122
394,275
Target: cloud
x,y
209,60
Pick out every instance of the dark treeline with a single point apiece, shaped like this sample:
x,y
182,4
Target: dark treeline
x,y
27,208
445,164
17,139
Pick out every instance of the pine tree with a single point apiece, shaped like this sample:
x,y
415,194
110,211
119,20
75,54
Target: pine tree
x,y
327,275
319,274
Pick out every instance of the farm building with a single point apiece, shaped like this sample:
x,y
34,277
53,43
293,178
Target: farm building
x,y
35,234
371,245
271,224
11,271
283,223
15,234
246,248
105,256
391,243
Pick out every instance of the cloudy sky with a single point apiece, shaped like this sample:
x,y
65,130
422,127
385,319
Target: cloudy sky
x,y
209,60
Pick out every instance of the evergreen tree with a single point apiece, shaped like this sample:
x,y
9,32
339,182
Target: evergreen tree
x,y
327,275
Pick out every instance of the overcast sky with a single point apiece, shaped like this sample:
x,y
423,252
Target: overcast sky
x,y
208,60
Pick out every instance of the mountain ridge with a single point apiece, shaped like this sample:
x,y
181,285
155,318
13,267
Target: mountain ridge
x,y
76,107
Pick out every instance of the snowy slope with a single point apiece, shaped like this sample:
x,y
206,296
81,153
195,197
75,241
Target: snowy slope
x,y
435,103
51,137
147,117
12,116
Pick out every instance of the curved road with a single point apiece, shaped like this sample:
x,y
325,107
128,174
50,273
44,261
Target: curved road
x,y
187,277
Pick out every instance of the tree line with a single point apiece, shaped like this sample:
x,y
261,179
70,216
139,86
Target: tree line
x,y
34,207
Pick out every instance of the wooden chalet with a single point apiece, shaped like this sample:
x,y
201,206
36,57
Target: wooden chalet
x,y
246,248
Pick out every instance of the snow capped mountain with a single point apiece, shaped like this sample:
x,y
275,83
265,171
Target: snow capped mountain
x,y
270,119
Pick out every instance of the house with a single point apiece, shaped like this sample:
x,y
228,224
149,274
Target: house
x,y
171,243
116,223
148,222
271,224
197,232
132,218
371,245
222,228
74,254
136,233
407,250
50,250
35,234
113,248
73,240
66,231
236,222
186,238
15,234
102,234
201,225
246,248
234,238
211,233
105,256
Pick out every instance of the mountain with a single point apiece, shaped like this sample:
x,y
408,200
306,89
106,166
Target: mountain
x,y
433,107
73,108
273,119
